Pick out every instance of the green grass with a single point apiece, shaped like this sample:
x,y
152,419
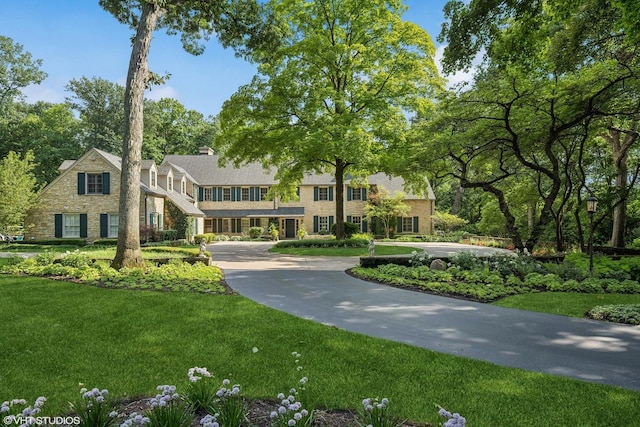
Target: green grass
x,y
56,335
381,250
565,303
104,252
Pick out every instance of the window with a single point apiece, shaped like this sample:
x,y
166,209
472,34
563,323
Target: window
x,y
323,193
323,224
356,194
244,225
226,194
208,194
153,179
263,193
71,225
114,220
169,183
94,183
255,222
358,221
245,194
407,224
183,187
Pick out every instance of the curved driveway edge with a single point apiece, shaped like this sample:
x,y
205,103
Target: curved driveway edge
x,y
317,288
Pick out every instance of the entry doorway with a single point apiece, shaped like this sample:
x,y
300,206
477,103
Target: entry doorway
x,y
290,229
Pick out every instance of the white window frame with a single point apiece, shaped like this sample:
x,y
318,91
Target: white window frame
x,y
114,221
357,220
323,224
244,194
356,193
71,225
263,193
153,179
208,194
226,194
407,224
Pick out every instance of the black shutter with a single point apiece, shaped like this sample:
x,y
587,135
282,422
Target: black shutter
x,y
349,193
83,225
81,183
104,225
315,194
106,187
316,222
58,225
330,194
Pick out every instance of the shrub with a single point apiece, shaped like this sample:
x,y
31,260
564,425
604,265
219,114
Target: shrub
x,y
168,235
420,258
624,287
467,260
543,281
349,229
256,232
619,313
322,243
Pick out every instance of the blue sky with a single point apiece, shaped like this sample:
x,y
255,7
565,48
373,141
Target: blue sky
x,y
76,38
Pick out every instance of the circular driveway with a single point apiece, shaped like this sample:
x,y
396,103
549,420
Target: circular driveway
x,y
317,288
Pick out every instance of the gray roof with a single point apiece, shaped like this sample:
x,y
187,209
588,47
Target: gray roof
x,y
206,172
176,198
255,213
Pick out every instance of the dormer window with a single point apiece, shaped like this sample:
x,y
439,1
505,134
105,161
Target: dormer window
x,y
183,187
153,178
169,183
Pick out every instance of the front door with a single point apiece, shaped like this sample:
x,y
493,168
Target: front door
x,y
290,229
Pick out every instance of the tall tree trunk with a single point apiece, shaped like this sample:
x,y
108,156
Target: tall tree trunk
x,y
457,201
621,141
340,168
128,252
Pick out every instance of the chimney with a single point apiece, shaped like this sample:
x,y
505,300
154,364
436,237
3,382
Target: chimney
x,y
206,151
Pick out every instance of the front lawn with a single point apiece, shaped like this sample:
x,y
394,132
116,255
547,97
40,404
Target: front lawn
x,y
565,303
56,335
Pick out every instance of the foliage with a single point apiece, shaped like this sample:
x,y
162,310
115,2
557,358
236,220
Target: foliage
x,y
19,70
385,207
621,313
419,259
18,189
256,232
95,409
375,413
335,96
447,222
169,409
349,229
173,276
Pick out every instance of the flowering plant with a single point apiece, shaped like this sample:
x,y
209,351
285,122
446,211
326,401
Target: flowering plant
x,y
200,392
95,408
453,420
26,417
375,413
229,407
169,409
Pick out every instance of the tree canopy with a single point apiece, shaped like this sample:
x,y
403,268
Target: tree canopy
x,y
18,190
335,97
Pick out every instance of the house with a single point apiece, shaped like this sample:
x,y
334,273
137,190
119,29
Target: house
x,y
235,199
82,202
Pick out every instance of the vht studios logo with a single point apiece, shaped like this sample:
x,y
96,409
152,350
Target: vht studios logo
x,y
40,421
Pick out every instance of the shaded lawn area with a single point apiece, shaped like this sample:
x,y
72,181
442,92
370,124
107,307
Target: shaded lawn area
x,y
56,335
565,303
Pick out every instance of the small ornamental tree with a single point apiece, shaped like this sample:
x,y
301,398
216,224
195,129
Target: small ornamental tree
x,y
386,208
18,189
447,222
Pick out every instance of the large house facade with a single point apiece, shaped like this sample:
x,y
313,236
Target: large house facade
x,y
82,202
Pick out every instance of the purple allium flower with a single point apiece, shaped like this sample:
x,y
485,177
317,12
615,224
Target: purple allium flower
x,y
291,423
273,414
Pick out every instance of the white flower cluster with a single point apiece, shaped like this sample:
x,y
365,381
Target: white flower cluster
x,y
209,421
166,396
95,394
228,392
371,404
453,420
290,410
29,411
200,371
135,420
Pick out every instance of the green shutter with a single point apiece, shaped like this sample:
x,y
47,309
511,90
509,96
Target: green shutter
x,y
104,225
316,222
200,194
82,180
349,193
106,184
252,194
83,225
330,194
364,225
349,218
364,193
315,194
160,223
58,225
399,224
331,220
416,229
219,194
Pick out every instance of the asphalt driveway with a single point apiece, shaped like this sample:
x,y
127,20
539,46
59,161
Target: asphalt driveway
x,y
318,289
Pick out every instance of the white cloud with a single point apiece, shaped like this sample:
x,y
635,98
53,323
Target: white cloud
x,y
158,92
460,76
34,93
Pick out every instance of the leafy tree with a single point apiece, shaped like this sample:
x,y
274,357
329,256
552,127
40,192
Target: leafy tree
x,y
17,70
385,208
335,97
236,23
18,189
100,104
447,222
170,128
